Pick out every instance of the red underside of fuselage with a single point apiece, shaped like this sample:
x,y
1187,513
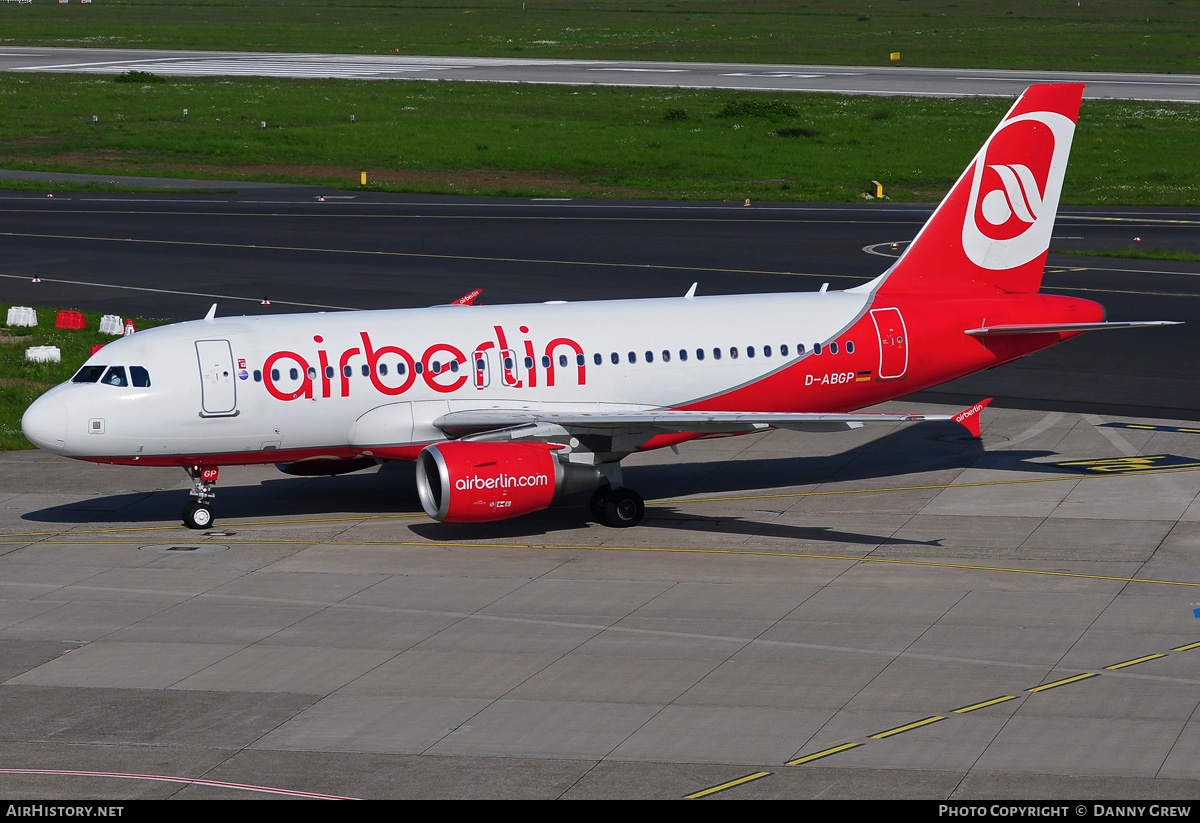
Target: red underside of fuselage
x,y
329,453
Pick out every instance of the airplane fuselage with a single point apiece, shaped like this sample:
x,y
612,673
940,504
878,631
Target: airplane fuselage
x,y
339,385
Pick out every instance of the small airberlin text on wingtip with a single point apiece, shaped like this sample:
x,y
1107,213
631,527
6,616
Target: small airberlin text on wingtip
x,y
970,418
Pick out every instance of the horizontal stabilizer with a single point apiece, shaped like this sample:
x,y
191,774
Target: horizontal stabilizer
x,y
1044,328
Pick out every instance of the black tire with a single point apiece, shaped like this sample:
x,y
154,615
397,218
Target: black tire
x,y
596,503
623,508
197,515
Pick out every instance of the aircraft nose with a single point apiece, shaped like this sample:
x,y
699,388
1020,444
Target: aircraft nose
x,y
45,424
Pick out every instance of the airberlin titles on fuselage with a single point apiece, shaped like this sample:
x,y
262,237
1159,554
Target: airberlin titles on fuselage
x,y
443,367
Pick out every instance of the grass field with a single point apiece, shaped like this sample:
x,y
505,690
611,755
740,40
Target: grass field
x,y
22,381
559,141
1096,35
1133,253
545,140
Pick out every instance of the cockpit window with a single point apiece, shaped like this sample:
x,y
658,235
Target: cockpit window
x,y
115,376
140,377
88,374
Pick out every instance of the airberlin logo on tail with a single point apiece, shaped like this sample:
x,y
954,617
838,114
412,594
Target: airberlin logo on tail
x,y
1018,198
1016,180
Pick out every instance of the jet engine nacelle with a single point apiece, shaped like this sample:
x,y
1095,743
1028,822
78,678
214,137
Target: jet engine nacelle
x,y
478,482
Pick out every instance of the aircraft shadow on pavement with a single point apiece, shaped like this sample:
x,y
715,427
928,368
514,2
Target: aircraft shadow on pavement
x,y
383,491
569,519
930,447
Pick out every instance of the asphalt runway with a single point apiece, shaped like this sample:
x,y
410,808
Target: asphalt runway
x,y
890,612
113,253
874,80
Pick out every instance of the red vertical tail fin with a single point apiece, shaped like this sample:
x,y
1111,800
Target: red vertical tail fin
x,y
992,232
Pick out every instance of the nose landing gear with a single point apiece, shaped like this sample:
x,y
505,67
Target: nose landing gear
x,y
198,513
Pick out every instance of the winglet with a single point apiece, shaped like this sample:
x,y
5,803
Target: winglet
x,y
212,312
969,418
468,299
691,293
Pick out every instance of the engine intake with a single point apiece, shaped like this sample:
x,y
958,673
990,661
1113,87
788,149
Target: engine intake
x,y
466,482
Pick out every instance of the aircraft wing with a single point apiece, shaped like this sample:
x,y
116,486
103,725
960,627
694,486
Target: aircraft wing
x,y
667,421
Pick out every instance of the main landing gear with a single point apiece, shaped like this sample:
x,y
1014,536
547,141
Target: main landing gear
x,y
619,508
198,513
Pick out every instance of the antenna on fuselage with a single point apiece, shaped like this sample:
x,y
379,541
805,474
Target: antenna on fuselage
x,y
212,312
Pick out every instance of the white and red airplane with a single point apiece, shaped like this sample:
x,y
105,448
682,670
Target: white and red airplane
x,y
505,407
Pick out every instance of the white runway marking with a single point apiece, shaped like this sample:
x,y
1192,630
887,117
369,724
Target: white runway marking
x,y
176,291
166,778
892,248
300,66
651,71
772,74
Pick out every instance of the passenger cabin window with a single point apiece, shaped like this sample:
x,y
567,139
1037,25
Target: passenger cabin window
x,y
849,347
783,350
115,376
598,358
699,354
616,358
649,357
683,355
88,374
767,351
666,356
139,377
733,353
749,351
833,347
816,347
716,354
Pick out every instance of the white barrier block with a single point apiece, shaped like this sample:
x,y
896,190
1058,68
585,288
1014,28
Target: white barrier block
x,y
22,316
43,354
111,324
